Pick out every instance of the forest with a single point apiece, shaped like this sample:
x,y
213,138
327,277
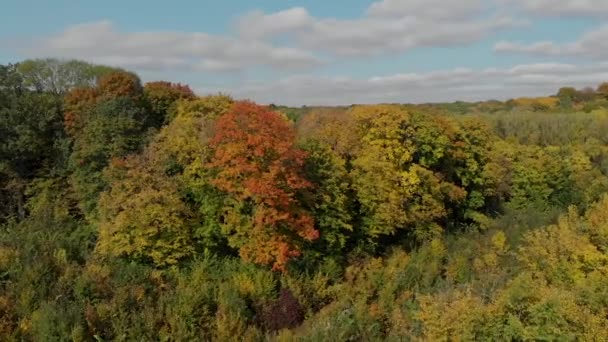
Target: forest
x,y
145,212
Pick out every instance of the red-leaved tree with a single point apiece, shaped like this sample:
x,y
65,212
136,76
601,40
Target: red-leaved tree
x,y
257,164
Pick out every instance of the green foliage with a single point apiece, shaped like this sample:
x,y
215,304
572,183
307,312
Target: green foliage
x,y
329,201
114,129
33,142
59,76
548,129
477,287
414,171
160,206
566,96
293,114
31,130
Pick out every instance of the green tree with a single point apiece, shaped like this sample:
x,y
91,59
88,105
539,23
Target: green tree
x,y
32,141
330,200
59,76
114,128
567,97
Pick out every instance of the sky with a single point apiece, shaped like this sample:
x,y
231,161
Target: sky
x,y
321,52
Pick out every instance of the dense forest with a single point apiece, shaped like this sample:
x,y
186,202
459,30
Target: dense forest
x,y
143,212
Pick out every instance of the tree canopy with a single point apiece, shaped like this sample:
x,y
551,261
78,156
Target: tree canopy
x,y
143,211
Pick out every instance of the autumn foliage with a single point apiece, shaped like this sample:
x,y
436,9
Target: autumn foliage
x,y
76,102
258,165
120,84
135,213
163,98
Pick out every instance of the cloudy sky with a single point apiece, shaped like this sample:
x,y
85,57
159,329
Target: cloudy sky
x,y
326,52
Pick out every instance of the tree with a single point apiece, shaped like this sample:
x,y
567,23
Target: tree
x,y
468,154
330,200
11,83
602,90
566,96
32,138
258,165
381,171
76,103
120,84
160,207
334,127
143,217
60,76
414,172
105,122
163,96
30,127
114,128
111,85
586,95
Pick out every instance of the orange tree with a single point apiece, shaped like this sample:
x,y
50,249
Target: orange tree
x,y
258,166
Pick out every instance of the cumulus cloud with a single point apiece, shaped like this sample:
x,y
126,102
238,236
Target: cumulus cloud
x,y
376,36
437,86
102,42
388,26
293,38
594,8
592,44
258,24
287,39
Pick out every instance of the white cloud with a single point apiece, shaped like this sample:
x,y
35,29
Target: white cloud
x,y
294,38
426,8
388,26
287,39
593,8
257,24
592,44
102,42
538,48
437,86
376,36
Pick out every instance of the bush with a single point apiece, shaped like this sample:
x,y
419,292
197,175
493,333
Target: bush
x,y
284,313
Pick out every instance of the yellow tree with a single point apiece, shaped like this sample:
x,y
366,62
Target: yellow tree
x,y
152,211
143,216
398,174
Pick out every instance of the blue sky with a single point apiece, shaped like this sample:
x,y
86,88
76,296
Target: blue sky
x,y
326,52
